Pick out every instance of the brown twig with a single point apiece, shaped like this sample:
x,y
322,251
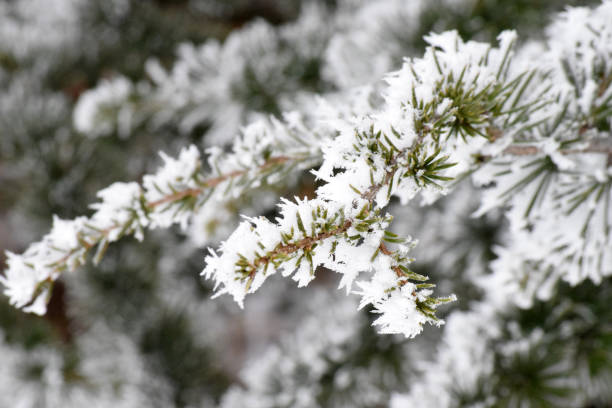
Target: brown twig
x,y
214,181
517,150
191,192
306,242
398,271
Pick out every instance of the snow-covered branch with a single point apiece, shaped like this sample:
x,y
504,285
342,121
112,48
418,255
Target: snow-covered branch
x,y
533,132
368,163
174,195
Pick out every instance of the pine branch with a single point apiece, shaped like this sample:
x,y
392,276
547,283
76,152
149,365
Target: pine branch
x,y
463,107
128,208
347,217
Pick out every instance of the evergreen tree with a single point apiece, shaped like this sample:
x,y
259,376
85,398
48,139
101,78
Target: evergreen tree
x,y
448,170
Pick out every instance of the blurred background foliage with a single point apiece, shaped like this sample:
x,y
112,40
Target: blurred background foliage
x,y
146,311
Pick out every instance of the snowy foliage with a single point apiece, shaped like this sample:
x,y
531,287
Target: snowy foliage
x,y
33,33
526,123
110,94
369,39
109,373
461,104
213,85
287,375
557,180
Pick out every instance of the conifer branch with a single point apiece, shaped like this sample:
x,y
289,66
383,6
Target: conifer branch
x,y
463,108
